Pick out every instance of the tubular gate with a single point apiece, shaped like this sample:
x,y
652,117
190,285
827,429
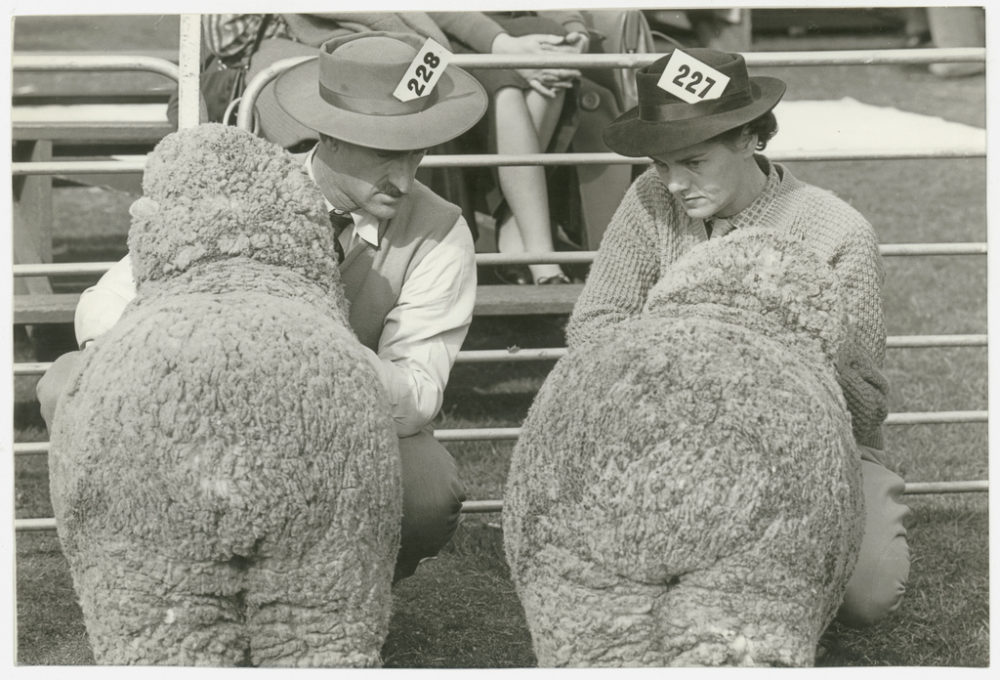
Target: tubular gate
x,y
187,75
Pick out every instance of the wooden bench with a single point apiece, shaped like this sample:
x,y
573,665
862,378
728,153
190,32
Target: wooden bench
x,y
46,105
57,115
491,300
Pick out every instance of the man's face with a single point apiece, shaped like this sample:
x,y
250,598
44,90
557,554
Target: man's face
x,y
709,179
373,180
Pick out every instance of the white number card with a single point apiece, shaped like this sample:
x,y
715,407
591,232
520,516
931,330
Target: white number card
x,y
692,80
423,73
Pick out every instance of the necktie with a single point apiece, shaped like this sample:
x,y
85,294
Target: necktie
x,y
719,227
340,221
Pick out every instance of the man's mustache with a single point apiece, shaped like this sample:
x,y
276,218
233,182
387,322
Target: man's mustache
x,y
390,190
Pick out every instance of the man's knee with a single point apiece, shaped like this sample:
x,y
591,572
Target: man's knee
x,y
53,383
432,500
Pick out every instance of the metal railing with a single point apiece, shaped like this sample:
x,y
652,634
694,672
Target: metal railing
x,y
187,76
244,118
92,62
487,259
928,149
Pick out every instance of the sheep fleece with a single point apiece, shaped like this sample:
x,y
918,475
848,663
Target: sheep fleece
x,y
686,490
224,474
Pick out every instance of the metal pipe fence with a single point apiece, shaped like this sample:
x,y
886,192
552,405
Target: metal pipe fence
x,y
82,62
499,434
78,61
70,61
496,505
490,259
928,149
519,355
22,62
244,116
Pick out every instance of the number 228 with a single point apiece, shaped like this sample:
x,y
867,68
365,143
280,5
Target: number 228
x,y
430,60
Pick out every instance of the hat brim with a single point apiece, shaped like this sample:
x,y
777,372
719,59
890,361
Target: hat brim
x,y
461,102
631,136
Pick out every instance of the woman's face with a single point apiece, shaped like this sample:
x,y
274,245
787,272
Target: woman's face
x,y
713,178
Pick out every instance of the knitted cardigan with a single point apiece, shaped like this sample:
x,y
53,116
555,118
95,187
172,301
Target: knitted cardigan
x,y
650,230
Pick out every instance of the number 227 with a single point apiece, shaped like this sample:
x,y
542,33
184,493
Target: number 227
x,y
684,71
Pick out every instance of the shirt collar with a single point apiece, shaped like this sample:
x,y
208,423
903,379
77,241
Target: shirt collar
x,y
752,214
366,225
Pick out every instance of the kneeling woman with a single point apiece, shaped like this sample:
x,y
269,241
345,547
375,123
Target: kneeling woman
x,y
703,121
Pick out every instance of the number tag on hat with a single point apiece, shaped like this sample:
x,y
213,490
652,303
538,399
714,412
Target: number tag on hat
x,y
692,80
424,72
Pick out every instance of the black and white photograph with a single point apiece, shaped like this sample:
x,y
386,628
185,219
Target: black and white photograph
x,y
477,336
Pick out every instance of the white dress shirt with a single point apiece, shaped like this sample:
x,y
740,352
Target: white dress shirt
x,y
421,336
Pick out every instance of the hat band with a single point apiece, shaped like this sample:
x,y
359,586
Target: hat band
x,y
372,106
665,113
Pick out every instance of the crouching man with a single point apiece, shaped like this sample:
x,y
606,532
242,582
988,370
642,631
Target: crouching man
x,y
408,265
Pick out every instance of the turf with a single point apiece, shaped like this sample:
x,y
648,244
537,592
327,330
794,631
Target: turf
x,y
460,610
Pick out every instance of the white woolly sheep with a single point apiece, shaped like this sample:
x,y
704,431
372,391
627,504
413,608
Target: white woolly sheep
x,y
686,489
224,468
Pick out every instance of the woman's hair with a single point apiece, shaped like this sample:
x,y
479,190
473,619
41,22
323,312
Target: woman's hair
x,y
765,127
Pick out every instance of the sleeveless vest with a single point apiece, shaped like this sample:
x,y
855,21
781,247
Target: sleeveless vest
x,y
373,277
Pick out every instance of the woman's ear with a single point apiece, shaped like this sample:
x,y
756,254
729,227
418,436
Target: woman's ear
x,y
748,143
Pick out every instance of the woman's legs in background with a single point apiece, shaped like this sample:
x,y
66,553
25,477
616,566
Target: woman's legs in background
x,y
525,122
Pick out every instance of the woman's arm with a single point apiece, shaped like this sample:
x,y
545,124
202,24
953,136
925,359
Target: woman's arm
x,y
858,265
625,268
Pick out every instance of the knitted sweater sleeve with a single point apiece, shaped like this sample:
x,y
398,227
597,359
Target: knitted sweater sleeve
x,y
858,265
624,269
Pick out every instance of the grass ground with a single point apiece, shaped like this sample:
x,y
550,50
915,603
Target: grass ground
x,y
460,610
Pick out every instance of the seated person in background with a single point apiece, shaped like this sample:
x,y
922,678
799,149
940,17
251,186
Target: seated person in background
x,y
525,106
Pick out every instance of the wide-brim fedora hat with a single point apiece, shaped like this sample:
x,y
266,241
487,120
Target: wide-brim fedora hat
x,y
347,93
662,122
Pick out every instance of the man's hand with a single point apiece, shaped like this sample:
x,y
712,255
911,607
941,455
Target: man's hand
x,y
545,81
53,383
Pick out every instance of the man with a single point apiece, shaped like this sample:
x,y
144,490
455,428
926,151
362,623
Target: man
x,y
409,261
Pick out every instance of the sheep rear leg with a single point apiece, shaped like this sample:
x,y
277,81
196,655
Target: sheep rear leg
x,y
581,614
318,613
151,610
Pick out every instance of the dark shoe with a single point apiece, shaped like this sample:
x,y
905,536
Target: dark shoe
x,y
555,278
514,274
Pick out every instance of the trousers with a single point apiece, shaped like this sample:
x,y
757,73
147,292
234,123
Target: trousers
x,y
878,582
432,500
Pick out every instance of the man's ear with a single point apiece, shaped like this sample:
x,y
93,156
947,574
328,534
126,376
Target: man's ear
x,y
332,143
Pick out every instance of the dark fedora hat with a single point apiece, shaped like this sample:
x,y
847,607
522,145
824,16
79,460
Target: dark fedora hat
x,y
347,93
664,122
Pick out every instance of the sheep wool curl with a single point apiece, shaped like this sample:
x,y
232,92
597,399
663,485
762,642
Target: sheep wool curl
x,y
686,490
224,467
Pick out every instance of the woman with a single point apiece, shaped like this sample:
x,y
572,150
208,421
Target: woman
x,y
703,120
